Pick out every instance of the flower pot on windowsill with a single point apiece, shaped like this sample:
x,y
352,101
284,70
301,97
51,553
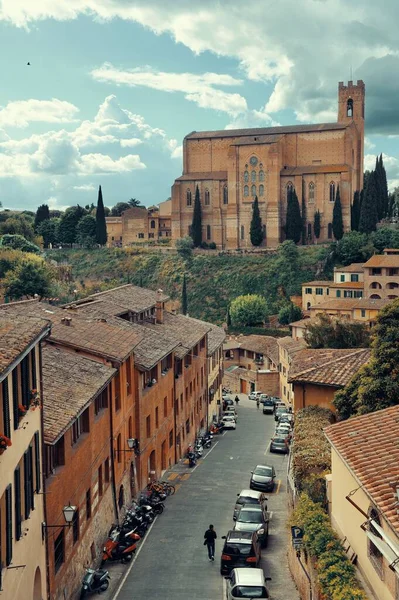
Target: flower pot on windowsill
x,y
5,442
21,411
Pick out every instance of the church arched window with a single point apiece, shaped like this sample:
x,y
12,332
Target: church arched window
x,y
253,176
330,231
242,232
253,190
246,190
290,189
261,176
309,230
246,176
311,191
261,190
189,197
152,224
332,191
226,195
349,108
207,198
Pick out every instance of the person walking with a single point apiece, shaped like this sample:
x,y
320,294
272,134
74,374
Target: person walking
x,y
257,403
209,541
236,400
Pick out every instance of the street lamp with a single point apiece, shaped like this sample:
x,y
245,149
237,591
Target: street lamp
x,y
133,444
68,512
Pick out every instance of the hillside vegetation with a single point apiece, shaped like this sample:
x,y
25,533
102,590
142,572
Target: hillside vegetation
x,y
212,280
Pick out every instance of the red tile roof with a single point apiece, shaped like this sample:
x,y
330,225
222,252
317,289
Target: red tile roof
x,y
369,446
355,285
383,260
317,282
223,133
16,334
331,367
352,268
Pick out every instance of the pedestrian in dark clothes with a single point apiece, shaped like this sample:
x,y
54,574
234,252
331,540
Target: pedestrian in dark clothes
x,y
210,537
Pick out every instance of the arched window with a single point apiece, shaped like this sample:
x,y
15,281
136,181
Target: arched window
x,y
261,176
290,188
189,197
246,176
242,232
208,232
207,198
226,195
152,224
349,108
311,191
246,190
253,176
332,191
309,230
261,190
330,231
253,191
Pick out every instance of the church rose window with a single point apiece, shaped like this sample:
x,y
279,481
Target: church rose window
x,y
246,176
261,190
246,190
332,191
253,190
253,160
261,176
253,176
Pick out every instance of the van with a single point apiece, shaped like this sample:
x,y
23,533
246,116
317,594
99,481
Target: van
x,y
247,583
255,395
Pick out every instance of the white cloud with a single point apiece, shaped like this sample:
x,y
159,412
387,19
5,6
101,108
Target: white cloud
x,y
101,163
22,112
368,144
130,143
391,164
87,187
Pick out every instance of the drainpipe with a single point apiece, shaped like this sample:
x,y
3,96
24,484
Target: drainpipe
x,y
306,574
174,406
111,441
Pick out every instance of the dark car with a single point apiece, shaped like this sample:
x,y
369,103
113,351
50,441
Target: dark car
x,y
279,443
268,407
240,549
228,401
254,518
279,411
262,478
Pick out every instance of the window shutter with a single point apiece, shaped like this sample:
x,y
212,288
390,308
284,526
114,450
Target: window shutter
x,y
37,462
17,491
8,525
15,397
25,382
6,409
33,368
26,485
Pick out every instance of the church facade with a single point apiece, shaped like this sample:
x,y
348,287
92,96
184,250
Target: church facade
x,y
231,167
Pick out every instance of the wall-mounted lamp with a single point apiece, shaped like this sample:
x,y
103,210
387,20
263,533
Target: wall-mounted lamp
x,y
69,512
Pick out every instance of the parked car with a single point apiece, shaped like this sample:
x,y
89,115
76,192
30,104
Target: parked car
x,y
279,411
268,407
263,397
283,428
254,518
240,549
286,418
280,404
229,422
228,401
279,443
262,478
230,410
255,395
249,497
246,583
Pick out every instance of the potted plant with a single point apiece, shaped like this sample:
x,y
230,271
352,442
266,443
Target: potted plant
x,y
5,442
34,399
21,411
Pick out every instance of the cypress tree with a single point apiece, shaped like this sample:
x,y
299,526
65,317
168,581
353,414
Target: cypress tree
x,y
304,217
42,214
293,224
355,211
337,222
384,188
196,227
368,211
256,233
377,181
101,227
184,305
317,224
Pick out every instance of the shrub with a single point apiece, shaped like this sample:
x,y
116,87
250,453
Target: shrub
x,y
248,310
18,242
212,246
184,247
204,245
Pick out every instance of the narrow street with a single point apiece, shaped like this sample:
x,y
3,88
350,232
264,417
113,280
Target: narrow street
x,y
172,563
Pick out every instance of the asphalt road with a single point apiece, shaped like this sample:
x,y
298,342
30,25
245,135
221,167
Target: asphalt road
x,y
172,562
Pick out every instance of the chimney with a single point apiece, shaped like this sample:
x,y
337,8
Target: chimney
x,y
159,307
66,321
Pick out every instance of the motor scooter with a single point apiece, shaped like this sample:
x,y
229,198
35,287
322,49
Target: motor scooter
x,y
192,459
120,546
94,581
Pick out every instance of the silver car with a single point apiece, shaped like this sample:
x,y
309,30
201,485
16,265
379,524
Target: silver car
x,y
248,497
246,583
254,518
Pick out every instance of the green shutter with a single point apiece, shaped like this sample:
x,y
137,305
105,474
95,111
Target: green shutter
x,y
8,525
18,514
37,462
6,409
26,485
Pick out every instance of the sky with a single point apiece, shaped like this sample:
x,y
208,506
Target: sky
x,y
113,86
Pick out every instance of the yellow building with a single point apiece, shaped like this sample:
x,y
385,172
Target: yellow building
x,y
364,310
216,337
140,225
381,275
288,348
22,546
352,273
363,493
316,292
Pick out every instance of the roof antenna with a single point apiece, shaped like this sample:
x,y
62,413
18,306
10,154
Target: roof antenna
x,y
351,73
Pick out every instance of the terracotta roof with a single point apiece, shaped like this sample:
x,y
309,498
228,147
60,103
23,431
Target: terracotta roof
x,y
356,285
332,367
317,282
372,302
292,346
210,175
216,337
369,446
129,297
16,334
290,171
350,303
263,344
265,130
135,212
383,260
302,323
186,332
70,382
352,268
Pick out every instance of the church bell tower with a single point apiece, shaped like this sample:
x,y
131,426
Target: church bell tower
x,y
351,99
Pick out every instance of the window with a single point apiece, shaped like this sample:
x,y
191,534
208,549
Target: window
x,y
348,294
319,291
332,191
170,438
75,526
33,369
25,387
129,375
38,462
308,290
88,503
253,176
106,470
349,108
6,409
376,271
188,198
152,225
311,191
363,312
355,277
100,480
165,406
118,448
261,175
289,189
80,426
342,277
208,232
148,425
117,381
309,230
242,232
330,231
375,556
253,191
338,294
358,294
15,397
391,272
156,417
246,191
140,236
59,551
28,482
226,195
246,176
188,426
261,190
101,401
207,198
17,503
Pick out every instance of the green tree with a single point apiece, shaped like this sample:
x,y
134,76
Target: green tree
x,y
293,226
337,222
18,224
228,317
353,247
385,238
355,212
69,222
289,313
376,385
317,224
184,303
334,333
86,231
249,310
134,202
101,227
368,211
42,214
303,214
119,208
184,247
48,229
196,226
384,188
27,279
18,242
256,232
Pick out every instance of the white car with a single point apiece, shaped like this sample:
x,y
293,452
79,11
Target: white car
x,y
255,395
246,583
229,422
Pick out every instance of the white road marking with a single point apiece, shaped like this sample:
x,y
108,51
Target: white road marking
x,y
213,446
134,560
224,588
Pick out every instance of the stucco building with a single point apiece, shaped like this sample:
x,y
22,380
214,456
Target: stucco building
x,y
381,275
140,225
231,167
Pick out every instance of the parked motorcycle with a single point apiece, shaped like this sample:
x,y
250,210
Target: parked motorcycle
x,y
206,441
192,459
156,505
120,546
217,428
198,449
94,581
